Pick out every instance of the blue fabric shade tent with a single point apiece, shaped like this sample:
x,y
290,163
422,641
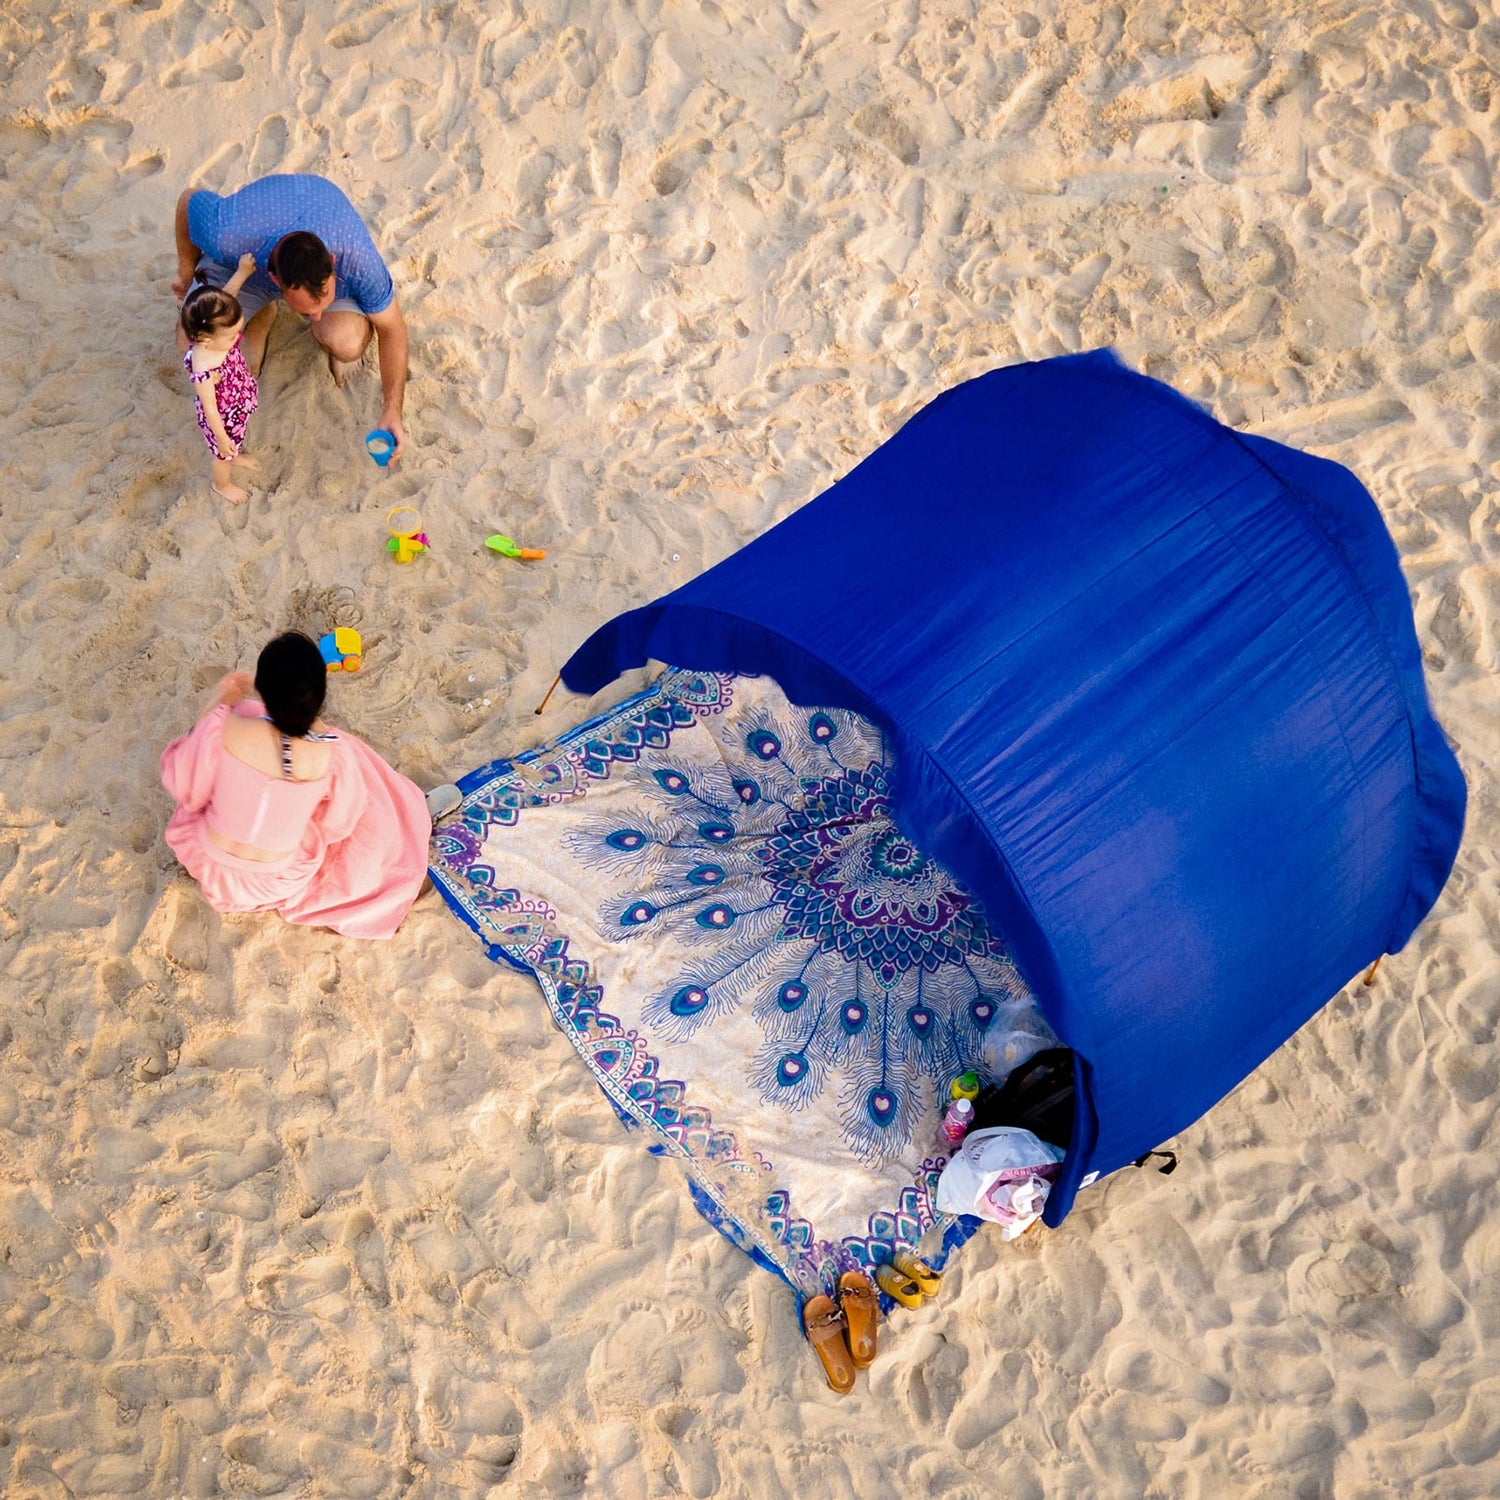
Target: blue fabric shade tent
x,y
1155,695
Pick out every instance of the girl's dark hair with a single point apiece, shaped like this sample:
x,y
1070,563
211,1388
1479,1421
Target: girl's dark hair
x,y
207,310
291,679
300,261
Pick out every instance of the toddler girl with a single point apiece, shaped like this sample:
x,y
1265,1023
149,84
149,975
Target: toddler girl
x,y
213,322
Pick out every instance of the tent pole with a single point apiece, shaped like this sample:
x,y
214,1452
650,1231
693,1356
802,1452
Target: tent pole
x,y
1370,972
540,706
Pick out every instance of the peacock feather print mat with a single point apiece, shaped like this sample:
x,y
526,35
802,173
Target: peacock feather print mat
x,y
760,970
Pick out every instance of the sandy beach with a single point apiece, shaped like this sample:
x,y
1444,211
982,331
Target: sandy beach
x,y
287,1215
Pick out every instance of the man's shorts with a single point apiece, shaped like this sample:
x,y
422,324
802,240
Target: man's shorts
x,y
253,297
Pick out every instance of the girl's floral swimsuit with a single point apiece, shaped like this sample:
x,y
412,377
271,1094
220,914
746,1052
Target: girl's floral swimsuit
x,y
237,395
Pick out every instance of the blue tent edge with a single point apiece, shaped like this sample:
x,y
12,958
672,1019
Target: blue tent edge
x,y
1344,510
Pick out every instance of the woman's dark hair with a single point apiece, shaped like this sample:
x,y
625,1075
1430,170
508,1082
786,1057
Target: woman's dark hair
x,y
291,679
207,309
301,260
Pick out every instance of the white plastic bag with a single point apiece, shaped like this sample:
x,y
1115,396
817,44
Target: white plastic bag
x,y
1003,1175
1003,1051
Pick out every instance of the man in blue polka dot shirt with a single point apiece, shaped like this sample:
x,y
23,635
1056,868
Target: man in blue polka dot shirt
x,y
313,252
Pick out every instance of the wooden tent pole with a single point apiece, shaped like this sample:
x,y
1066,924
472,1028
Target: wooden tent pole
x,y
1370,972
540,706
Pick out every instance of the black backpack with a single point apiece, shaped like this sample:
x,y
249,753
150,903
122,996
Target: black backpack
x,y
1038,1096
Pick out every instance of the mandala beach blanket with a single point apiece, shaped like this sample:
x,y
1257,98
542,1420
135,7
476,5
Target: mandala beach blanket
x,y
757,966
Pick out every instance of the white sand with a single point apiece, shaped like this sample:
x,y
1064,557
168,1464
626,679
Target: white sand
x,y
286,1215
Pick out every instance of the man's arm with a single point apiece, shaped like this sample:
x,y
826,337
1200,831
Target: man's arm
x,y
187,251
391,345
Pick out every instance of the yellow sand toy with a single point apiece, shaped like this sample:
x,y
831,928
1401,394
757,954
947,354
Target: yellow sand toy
x,y
407,536
341,649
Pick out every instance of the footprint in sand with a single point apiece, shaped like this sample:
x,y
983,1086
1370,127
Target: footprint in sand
x,y
202,68
578,57
137,1383
445,1259
155,1044
712,1351
224,1169
1147,1381
692,1450
475,1418
632,62
992,1405
330,1164
506,1305
564,1472
937,1384
880,123
318,1280
394,138
272,1454
492,1459
668,175
634,1363
539,290
120,76
1467,161
1476,84
269,150
191,927
365,27
139,168
604,161
116,1154
1461,17
344,1469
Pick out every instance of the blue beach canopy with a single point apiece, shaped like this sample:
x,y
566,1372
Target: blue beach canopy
x,y
1155,695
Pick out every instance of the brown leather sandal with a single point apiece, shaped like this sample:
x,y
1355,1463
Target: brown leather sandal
x,y
823,1319
861,1308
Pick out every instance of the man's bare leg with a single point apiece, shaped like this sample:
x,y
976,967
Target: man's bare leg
x,y
257,331
344,336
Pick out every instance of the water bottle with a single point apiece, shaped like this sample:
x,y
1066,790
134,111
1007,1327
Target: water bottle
x,y
965,1086
957,1119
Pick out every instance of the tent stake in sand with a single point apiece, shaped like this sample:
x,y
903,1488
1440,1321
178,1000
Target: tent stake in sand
x,y
540,706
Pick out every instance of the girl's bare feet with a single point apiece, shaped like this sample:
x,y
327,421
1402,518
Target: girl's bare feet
x,y
224,485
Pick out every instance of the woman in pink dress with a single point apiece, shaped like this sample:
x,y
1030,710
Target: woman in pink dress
x,y
276,812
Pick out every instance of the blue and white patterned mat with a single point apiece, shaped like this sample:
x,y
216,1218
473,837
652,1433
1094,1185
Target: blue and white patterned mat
x,y
759,968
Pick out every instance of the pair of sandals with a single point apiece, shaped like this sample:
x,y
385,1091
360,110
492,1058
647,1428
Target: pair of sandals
x,y
843,1332
907,1279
